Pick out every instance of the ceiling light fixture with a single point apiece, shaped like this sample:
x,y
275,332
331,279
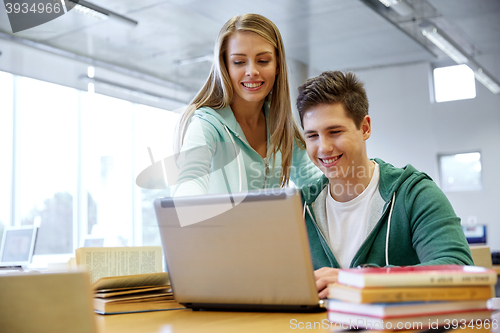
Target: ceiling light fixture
x,y
89,12
207,58
454,51
92,82
486,79
399,6
89,8
444,43
386,3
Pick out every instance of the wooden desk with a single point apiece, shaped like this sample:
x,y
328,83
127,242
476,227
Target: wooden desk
x,y
183,321
187,321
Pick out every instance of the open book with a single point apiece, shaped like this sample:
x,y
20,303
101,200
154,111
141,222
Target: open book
x,y
117,261
134,293
127,279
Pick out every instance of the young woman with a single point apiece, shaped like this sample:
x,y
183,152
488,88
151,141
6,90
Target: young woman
x,y
238,134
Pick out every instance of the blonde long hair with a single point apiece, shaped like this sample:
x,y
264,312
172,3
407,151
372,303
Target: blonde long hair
x,y
217,92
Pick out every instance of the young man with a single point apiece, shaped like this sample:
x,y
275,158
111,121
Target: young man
x,y
367,212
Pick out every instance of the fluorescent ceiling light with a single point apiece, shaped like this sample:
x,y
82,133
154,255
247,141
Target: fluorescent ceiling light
x,y
127,90
208,58
399,6
387,3
448,46
432,34
487,81
90,12
89,8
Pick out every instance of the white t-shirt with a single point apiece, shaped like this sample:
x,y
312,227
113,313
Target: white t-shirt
x,y
348,221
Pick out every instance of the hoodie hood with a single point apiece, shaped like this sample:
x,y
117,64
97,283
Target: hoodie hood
x,y
395,177
391,179
226,117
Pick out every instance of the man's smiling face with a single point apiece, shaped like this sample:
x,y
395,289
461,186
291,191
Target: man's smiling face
x,y
333,141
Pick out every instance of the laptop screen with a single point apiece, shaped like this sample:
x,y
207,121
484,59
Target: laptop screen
x,y
18,245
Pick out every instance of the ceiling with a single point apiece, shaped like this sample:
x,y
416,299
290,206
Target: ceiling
x,y
321,34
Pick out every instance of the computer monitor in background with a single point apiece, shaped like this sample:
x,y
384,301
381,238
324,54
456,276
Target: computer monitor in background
x,y
475,234
92,241
18,246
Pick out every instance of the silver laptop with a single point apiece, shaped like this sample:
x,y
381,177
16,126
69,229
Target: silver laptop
x,y
246,251
18,246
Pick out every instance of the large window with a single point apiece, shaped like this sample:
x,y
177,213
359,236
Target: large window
x,y
69,163
461,172
106,125
158,137
46,116
454,83
6,137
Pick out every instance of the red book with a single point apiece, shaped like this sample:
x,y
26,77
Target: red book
x,y
413,276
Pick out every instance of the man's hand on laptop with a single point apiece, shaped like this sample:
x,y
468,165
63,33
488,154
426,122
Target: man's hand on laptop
x,y
324,276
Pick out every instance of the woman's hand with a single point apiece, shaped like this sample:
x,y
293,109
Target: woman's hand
x,y
324,276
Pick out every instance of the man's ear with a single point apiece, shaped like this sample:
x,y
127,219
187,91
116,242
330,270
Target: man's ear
x,y
366,127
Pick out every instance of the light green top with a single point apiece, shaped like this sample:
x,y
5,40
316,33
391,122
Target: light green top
x,y
208,162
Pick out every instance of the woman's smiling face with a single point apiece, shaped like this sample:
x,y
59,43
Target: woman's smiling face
x,y
252,66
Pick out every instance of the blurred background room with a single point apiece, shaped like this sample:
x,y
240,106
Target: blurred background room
x,y
83,96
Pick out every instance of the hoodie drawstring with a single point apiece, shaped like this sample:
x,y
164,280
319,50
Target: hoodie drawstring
x,y
237,159
388,230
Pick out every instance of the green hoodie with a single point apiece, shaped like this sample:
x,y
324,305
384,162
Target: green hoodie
x,y
424,229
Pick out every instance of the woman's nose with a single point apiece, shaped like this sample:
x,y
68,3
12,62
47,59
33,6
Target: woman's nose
x,y
252,69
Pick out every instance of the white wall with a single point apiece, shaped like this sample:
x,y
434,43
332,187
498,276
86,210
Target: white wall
x,y
408,128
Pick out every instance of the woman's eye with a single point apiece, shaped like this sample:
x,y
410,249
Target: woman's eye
x,y
264,61
311,136
238,62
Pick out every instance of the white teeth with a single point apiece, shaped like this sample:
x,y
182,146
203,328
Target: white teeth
x,y
331,160
253,85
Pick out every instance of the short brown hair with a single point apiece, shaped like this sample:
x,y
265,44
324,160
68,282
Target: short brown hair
x,y
331,88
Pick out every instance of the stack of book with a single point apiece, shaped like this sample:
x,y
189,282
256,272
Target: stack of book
x,y
127,279
410,298
134,293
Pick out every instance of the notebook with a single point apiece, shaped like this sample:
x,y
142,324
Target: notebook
x,y
18,246
246,251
